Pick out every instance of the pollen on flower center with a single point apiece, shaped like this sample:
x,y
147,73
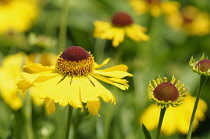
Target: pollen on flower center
x,y
166,91
75,61
121,19
204,65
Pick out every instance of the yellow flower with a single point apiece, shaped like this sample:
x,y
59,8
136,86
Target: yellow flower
x,y
165,93
121,25
176,119
154,7
11,70
17,15
191,21
73,80
202,66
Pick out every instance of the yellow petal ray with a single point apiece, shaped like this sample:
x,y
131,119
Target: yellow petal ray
x,y
88,90
50,106
123,87
108,33
118,80
93,106
31,78
118,36
116,74
136,32
23,85
102,64
36,68
74,92
102,91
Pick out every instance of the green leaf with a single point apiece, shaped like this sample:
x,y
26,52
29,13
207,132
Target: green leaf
x,y
146,132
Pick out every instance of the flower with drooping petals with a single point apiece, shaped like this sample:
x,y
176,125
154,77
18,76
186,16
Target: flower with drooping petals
x,y
121,25
176,119
191,21
165,93
154,7
202,66
73,80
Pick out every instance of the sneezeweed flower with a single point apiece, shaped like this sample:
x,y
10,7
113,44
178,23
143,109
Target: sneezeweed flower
x,y
73,80
201,67
191,21
10,70
17,15
165,93
176,119
121,25
155,7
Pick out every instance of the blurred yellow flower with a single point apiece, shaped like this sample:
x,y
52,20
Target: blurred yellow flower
x,y
121,25
73,80
154,7
17,15
190,20
11,70
177,117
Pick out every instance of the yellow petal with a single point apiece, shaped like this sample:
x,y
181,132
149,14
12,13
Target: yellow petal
x,y
88,90
23,85
116,74
50,106
102,64
104,79
93,106
36,68
102,91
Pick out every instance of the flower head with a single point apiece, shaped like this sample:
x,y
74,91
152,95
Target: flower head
x,y
165,93
154,7
73,80
17,15
121,25
191,21
177,117
202,66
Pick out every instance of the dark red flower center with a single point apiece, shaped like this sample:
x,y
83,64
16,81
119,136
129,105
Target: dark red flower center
x,y
4,2
75,53
204,65
153,1
122,19
166,92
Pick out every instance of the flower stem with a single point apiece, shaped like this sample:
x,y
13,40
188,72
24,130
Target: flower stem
x,y
29,128
203,80
63,26
70,109
162,113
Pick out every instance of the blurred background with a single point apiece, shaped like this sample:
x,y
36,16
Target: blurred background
x,y
44,28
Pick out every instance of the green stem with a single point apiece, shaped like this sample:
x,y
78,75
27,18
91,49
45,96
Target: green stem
x,y
63,26
203,80
29,128
70,109
162,113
